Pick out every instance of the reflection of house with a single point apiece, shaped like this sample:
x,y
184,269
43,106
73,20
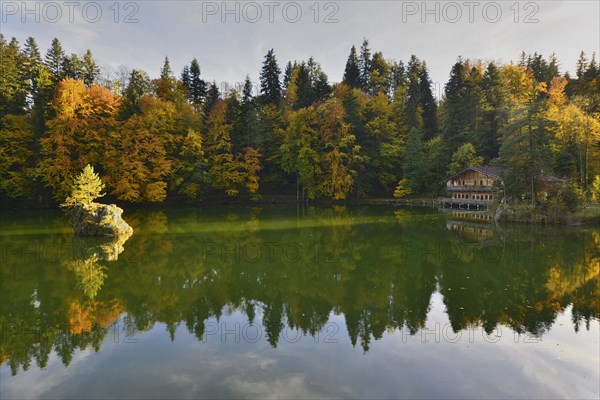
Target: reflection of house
x,y
471,227
473,187
471,233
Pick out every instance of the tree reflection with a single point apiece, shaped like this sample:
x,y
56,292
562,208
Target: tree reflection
x,y
293,269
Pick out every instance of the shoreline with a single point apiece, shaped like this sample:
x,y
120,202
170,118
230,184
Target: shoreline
x,y
585,216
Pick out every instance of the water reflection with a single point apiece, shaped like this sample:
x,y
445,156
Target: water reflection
x,y
295,268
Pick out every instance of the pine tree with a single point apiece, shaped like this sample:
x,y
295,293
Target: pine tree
x,y
212,97
72,67
87,187
455,105
582,63
414,112
270,84
13,83
287,75
321,87
197,86
399,78
352,71
304,89
139,85
166,85
428,104
91,71
249,116
364,64
379,76
493,114
32,61
186,78
54,60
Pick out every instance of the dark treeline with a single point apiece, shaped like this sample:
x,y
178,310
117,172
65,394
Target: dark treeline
x,y
58,294
299,134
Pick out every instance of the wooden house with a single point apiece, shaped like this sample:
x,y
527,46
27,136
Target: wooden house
x,y
473,187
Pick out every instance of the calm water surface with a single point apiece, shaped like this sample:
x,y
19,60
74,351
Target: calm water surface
x,y
271,302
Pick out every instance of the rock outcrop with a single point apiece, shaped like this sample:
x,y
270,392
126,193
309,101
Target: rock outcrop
x,y
99,220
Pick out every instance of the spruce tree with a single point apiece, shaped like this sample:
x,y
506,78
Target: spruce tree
x,y
428,104
90,69
32,60
185,78
139,85
413,94
493,116
54,60
287,75
166,85
72,67
13,83
379,77
197,88
364,64
270,84
212,97
352,71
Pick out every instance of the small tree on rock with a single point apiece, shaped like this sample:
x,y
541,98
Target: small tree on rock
x,y
87,188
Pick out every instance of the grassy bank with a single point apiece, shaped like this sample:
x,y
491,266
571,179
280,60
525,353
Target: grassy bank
x,y
587,214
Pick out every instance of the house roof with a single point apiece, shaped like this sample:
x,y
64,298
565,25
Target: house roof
x,y
487,170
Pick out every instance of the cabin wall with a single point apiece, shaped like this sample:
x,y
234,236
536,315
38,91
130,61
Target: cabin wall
x,y
474,196
472,178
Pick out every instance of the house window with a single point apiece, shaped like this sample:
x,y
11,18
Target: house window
x,y
481,182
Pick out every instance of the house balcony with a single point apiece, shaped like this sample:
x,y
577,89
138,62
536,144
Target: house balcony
x,y
471,188
468,203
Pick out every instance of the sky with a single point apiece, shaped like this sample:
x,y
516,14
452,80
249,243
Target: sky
x,y
231,38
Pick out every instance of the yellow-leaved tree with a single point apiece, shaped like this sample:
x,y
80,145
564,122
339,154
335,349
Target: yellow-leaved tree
x,y
86,188
403,189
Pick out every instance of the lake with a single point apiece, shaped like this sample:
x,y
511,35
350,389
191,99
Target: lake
x,y
299,302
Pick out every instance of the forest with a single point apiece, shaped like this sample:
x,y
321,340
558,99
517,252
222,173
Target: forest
x,y
378,132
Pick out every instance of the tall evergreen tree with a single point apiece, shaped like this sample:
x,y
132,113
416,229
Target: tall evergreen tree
x,y
270,83
91,71
364,64
197,88
186,78
139,85
493,114
380,75
287,74
54,60
352,71
72,67
428,104
213,95
414,111
31,62
249,115
13,82
455,106
166,85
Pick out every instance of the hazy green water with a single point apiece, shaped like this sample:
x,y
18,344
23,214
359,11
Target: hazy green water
x,y
372,302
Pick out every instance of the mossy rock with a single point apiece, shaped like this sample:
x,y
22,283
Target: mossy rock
x,y
99,220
